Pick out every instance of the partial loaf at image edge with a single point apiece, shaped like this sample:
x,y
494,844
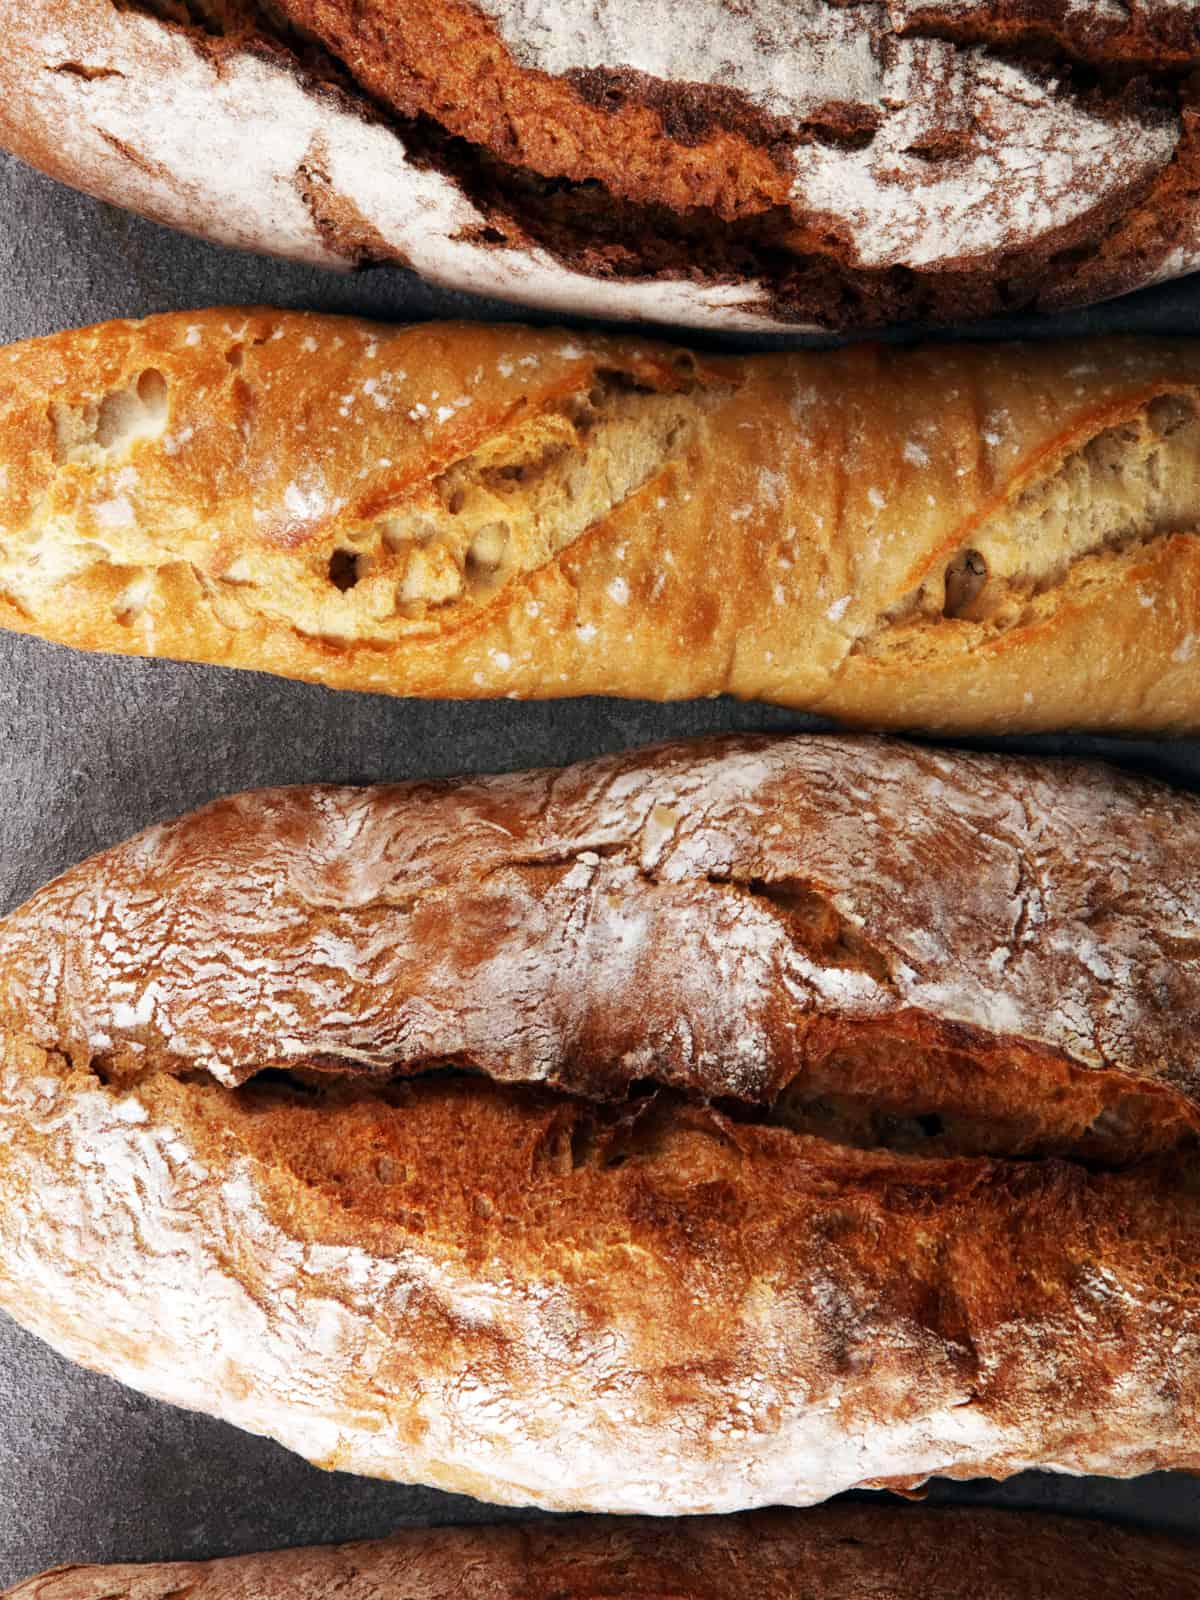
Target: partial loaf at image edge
x,y
848,1552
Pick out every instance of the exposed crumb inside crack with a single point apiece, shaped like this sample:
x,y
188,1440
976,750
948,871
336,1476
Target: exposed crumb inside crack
x,y
895,1078
1124,1128
875,1092
1130,485
452,543
522,498
95,433
399,562
817,927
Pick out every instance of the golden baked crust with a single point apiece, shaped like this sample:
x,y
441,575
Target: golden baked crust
x,y
967,538
847,1552
700,1297
772,163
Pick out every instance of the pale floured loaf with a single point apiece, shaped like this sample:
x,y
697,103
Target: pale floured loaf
x,y
722,1125
970,538
842,1553
751,165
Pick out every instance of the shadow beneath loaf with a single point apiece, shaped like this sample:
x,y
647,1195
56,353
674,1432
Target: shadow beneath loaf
x,y
122,265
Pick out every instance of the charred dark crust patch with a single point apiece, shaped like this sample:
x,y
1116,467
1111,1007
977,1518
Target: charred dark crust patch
x,y
688,115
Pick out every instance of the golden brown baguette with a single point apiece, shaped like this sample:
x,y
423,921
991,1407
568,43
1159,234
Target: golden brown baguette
x,y
721,1125
846,1552
960,538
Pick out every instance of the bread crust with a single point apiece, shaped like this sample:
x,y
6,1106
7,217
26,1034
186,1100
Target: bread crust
x,y
471,511
446,1278
847,1552
738,918
771,165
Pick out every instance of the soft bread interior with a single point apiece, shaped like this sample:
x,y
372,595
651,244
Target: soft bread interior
x,y
1105,1123
513,505
383,1152
866,1087
1082,522
874,1094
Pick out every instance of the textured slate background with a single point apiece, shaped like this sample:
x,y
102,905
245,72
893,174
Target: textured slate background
x,y
93,749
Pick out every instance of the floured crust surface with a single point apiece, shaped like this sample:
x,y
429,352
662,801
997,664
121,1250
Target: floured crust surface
x,y
445,1277
976,538
460,1284
768,165
843,1553
1011,943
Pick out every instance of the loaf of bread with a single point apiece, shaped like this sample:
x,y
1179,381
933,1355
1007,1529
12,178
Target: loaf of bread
x,y
847,1552
994,538
768,164
722,1125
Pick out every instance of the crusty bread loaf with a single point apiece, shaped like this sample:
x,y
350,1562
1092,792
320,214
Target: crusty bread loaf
x,y
961,538
845,1552
727,1124
770,163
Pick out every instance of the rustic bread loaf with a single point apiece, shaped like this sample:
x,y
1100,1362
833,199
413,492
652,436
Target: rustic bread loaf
x,y
845,1552
771,163
959,538
721,1125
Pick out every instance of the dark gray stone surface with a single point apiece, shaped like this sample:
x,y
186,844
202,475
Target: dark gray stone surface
x,y
92,749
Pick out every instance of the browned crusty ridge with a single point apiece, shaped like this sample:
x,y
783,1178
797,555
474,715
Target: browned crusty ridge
x,y
968,538
772,163
376,1120
846,1552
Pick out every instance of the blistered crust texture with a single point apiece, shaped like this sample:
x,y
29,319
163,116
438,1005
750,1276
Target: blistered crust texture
x,y
771,164
844,1553
445,1278
733,918
973,538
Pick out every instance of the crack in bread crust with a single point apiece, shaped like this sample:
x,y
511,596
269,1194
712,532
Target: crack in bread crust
x,y
445,1279
823,1318
411,555
1056,535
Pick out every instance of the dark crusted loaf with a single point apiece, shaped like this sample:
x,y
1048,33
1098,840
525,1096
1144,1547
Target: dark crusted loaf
x,y
779,162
